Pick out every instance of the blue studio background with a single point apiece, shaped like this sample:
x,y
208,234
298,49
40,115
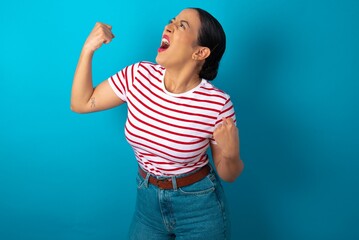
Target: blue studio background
x,y
291,67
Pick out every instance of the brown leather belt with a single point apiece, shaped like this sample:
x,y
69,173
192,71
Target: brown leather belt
x,y
181,181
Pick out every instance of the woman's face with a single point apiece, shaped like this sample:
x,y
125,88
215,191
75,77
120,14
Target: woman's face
x,y
179,40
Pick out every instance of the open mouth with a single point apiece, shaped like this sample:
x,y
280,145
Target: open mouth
x,y
165,43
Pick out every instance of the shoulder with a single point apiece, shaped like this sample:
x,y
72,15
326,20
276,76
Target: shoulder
x,y
145,65
150,64
150,67
213,92
145,72
143,68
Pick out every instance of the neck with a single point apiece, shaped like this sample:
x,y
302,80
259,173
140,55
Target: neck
x,y
180,81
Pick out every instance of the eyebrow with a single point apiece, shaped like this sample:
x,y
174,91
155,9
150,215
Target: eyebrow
x,y
182,21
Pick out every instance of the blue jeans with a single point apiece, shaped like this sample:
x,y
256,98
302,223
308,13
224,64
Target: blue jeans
x,y
193,212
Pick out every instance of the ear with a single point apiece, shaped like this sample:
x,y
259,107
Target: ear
x,y
201,53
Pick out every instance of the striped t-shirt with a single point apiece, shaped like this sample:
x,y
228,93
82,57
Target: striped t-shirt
x,y
168,132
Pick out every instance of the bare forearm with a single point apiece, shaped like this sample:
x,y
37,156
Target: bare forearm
x,y
226,153
229,169
82,87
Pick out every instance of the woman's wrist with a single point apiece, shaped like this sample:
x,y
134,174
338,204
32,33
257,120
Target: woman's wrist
x,y
231,154
87,51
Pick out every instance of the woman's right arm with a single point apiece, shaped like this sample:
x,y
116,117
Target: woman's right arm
x,y
84,97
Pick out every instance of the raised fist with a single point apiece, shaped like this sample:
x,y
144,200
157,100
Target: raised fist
x,y
100,34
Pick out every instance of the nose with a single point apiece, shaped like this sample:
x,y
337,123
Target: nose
x,y
169,28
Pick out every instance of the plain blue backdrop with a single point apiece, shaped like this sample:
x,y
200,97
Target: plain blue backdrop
x,y
291,67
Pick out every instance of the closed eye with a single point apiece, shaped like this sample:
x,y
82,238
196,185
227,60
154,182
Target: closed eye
x,y
182,26
182,23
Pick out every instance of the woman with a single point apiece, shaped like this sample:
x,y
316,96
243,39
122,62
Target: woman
x,y
174,115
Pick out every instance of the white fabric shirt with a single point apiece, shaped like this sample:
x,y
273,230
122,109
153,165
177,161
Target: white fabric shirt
x,y
168,132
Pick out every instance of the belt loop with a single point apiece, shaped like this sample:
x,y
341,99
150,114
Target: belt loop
x,y
174,183
146,180
210,167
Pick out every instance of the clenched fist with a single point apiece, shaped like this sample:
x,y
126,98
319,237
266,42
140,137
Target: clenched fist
x,y
100,34
227,138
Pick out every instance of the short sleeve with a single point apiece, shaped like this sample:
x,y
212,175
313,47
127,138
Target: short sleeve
x,y
226,112
122,81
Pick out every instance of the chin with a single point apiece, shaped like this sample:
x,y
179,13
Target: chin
x,y
159,60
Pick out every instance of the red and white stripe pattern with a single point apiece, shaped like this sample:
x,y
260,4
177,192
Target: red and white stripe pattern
x,y
169,133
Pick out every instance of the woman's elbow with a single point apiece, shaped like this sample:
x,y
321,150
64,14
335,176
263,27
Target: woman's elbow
x,y
76,108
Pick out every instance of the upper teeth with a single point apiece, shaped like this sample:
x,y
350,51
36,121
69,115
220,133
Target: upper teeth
x,y
165,41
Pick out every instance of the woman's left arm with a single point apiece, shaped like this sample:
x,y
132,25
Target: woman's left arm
x,y
226,153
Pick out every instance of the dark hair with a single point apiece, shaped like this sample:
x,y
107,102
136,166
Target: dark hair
x,y
211,35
